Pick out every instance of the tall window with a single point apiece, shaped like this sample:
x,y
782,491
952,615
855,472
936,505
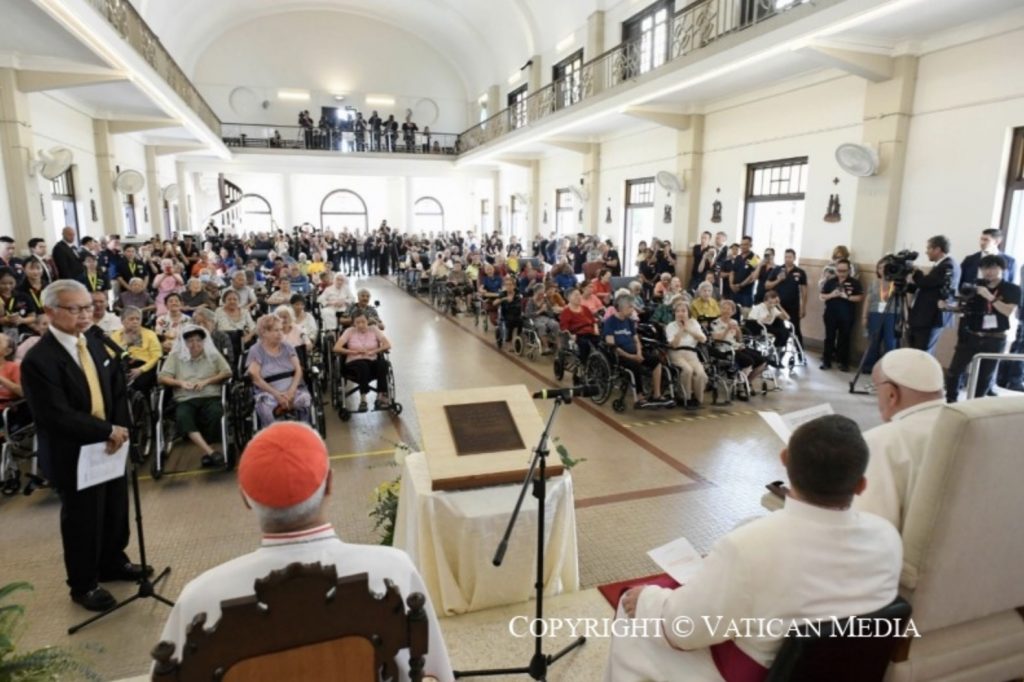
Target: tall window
x,y
256,213
639,223
428,216
485,216
131,226
1013,203
517,107
567,79
65,212
343,208
774,215
563,212
517,217
645,38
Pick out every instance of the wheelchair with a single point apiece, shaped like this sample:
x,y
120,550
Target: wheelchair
x,y
480,312
165,429
725,377
757,337
568,358
604,371
439,293
528,343
313,378
340,391
18,444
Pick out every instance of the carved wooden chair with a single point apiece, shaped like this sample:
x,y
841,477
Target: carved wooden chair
x,y
303,624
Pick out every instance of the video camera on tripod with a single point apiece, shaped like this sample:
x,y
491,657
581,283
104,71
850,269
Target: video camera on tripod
x,y
897,267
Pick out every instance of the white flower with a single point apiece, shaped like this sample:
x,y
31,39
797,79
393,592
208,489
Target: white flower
x,y
401,452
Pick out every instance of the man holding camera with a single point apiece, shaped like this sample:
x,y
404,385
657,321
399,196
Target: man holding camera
x,y
986,321
927,319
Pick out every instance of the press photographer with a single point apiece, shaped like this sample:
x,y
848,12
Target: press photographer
x,y
987,307
927,319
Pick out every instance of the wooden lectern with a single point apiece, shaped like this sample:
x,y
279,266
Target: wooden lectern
x,y
480,437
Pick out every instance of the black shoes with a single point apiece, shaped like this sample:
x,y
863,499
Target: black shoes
x,y
96,599
826,365
844,368
129,572
214,459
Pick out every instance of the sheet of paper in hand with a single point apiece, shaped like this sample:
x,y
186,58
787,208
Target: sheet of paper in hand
x,y
95,466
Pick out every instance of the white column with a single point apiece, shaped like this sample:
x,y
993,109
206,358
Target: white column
x,y
25,199
153,194
111,215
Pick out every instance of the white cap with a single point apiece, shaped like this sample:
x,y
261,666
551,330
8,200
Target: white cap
x,y
914,369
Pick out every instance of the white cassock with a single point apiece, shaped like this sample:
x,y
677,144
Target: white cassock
x,y
333,300
897,449
800,562
237,577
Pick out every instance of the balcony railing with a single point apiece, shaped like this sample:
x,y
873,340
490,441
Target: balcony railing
x,y
136,32
333,140
693,27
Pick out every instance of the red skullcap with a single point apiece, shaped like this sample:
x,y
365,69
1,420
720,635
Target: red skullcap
x,y
283,465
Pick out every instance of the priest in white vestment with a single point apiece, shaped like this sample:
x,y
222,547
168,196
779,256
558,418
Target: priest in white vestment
x,y
909,387
285,477
816,558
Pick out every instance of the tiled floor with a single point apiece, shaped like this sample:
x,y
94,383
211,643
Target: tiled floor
x,y
642,484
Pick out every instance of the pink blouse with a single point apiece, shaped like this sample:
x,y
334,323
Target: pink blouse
x,y
367,341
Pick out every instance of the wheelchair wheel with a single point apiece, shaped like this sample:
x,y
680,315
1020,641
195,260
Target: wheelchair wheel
x,y
12,484
344,415
142,416
396,409
559,367
619,405
155,471
599,373
518,346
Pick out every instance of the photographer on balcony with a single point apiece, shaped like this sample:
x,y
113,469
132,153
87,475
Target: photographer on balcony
x,y
987,307
927,319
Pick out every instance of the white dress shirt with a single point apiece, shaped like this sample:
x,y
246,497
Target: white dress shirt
x,y
800,562
897,449
67,342
236,579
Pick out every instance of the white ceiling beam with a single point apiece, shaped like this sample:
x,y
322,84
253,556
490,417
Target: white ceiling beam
x,y
122,126
522,163
38,81
868,65
568,145
165,150
667,119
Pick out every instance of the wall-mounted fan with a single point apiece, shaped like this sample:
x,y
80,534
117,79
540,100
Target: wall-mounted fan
x,y
857,159
171,193
51,164
670,182
129,182
580,192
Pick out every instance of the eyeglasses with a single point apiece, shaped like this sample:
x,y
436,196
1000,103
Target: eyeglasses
x,y
76,310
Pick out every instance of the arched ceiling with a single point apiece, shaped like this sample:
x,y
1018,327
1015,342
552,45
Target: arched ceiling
x,y
484,40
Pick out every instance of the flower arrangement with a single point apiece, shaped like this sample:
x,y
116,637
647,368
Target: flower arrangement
x,y
385,509
48,663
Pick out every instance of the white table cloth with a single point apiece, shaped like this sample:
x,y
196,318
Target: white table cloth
x,y
452,536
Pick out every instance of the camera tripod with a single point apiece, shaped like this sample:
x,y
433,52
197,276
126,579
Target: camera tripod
x,y
896,306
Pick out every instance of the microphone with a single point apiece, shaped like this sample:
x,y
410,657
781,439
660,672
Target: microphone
x,y
585,391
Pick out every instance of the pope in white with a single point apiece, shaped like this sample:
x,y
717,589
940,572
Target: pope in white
x,y
909,386
285,478
816,558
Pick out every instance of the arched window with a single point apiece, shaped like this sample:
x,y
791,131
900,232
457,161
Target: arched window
x,y
257,216
343,208
428,215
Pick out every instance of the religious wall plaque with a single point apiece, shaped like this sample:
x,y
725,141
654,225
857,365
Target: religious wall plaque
x,y
479,428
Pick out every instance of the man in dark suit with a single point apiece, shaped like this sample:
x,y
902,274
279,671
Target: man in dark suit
x,y
37,251
65,256
76,394
926,319
990,241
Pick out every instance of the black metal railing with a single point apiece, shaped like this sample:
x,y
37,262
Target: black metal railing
x,y
693,27
293,137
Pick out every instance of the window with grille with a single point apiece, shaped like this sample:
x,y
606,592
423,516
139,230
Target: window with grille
x,y
774,211
567,79
517,107
645,38
1012,222
639,220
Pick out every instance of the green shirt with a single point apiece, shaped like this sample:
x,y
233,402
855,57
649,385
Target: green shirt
x,y
193,370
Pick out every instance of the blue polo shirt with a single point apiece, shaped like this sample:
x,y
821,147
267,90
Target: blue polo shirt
x,y
491,284
623,331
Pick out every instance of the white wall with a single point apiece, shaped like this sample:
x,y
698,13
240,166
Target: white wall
x,y
968,100
330,53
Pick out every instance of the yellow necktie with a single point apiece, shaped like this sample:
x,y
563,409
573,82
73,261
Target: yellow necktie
x,y
93,379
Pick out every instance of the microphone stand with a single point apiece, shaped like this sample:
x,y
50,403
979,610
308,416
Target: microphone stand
x,y
147,587
540,662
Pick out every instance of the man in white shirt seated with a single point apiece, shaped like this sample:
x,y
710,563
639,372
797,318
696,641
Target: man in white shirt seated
x,y
908,384
101,317
815,558
285,478
770,315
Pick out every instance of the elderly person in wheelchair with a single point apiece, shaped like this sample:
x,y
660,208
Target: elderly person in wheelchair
x,y
363,348
726,332
276,375
769,316
620,335
362,306
194,369
683,335
143,348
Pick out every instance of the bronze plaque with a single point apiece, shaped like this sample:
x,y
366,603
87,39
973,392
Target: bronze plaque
x,y
479,428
